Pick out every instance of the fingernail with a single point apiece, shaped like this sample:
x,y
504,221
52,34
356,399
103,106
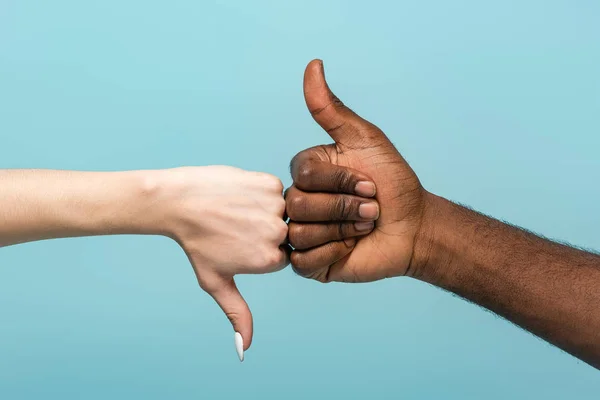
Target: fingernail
x,y
350,242
368,210
364,226
239,345
365,189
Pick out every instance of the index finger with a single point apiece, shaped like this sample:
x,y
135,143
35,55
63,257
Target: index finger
x,y
311,175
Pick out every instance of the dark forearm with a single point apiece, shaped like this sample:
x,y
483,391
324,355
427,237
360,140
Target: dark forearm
x,y
550,289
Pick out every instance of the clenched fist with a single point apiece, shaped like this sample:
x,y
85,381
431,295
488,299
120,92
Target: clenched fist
x,y
228,221
355,206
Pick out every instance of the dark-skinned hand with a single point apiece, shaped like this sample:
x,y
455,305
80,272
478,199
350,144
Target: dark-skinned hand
x,y
334,192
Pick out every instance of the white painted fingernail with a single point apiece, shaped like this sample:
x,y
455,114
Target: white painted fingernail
x,y
239,345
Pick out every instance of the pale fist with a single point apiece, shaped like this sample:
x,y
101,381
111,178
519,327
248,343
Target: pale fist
x,y
231,221
228,221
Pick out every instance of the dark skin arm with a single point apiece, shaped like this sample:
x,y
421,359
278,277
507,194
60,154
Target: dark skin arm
x,y
547,288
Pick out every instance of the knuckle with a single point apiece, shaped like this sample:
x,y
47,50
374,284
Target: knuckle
x,y
295,205
342,180
264,259
305,173
281,230
232,316
296,160
340,210
297,235
337,103
297,260
273,259
274,184
302,267
266,256
208,284
280,206
342,230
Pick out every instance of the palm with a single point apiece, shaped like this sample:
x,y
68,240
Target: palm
x,y
360,145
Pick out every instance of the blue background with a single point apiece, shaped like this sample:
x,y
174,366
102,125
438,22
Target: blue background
x,y
494,104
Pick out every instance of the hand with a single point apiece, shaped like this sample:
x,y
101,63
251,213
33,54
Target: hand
x,y
361,153
228,221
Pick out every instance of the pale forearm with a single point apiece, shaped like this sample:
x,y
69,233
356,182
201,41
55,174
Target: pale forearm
x,y
550,289
44,204
227,220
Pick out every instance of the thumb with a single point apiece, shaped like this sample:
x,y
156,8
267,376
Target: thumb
x,y
227,295
341,123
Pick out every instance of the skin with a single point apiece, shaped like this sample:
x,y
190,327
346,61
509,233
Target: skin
x,y
227,220
547,288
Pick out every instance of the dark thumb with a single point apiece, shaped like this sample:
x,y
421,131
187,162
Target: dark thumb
x,y
341,123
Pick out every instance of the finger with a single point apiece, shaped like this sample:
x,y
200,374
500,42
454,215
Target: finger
x,y
286,251
324,207
273,260
314,263
312,175
306,236
285,214
227,295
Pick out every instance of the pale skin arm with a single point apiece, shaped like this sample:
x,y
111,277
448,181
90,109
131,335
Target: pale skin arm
x,y
47,204
208,211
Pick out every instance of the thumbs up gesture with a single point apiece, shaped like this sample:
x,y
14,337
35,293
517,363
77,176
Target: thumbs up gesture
x,y
355,206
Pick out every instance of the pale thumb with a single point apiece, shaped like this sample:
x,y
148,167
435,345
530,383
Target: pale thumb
x,y
227,295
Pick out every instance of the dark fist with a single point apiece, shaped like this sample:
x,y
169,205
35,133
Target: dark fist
x,y
355,206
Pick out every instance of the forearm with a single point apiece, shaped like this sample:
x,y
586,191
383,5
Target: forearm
x,y
550,289
44,204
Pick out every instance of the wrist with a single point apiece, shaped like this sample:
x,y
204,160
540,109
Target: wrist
x,y
152,202
172,200
431,255
132,203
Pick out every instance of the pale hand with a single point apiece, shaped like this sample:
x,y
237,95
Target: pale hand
x,y
228,221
